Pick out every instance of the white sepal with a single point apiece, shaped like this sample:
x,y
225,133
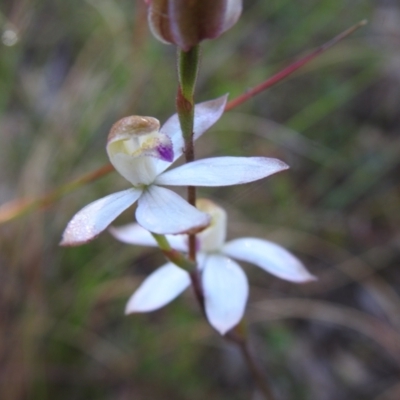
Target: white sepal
x,y
225,292
221,171
162,211
87,223
135,234
270,257
158,289
206,114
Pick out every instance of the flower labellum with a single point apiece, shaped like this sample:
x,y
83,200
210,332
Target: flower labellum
x,y
224,283
187,22
137,135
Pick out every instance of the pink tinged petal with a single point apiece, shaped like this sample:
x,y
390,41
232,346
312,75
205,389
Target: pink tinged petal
x,y
221,171
270,257
162,211
158,289
137,235
225,292
95,217
206,115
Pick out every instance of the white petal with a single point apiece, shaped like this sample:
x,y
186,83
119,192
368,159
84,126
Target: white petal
x,y
137,170
221,171
270,257
225,292
158,289
136,234
162,211
96,216
133,234
206,114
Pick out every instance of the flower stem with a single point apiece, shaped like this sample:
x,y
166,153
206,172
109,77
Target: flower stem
x,y
188,66
238,336
173,255
198,289
289,70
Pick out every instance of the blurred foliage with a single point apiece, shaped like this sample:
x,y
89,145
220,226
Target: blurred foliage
x,y
69,69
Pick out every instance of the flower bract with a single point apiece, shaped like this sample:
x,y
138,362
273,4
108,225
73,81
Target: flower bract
x,y
224,283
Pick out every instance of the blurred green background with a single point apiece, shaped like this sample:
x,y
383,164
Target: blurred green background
x,y
70,69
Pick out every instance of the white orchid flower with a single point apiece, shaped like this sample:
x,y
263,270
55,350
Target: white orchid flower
x,y
223,281
141,153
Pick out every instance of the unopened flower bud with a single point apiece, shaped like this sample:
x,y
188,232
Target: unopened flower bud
x,y
187,22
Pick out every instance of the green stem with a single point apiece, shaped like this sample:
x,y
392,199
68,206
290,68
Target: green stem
x,y
173,255
188,66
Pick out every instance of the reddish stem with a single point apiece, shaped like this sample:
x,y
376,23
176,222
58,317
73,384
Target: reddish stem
x,y
292,67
